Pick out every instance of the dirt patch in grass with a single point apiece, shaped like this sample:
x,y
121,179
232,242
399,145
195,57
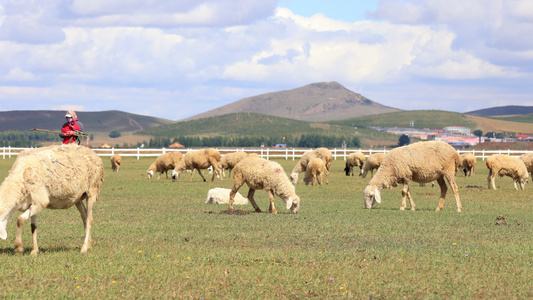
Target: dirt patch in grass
x,y
236,212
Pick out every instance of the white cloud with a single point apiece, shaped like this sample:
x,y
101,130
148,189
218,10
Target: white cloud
x,y
179,58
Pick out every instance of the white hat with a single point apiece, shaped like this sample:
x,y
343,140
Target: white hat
x,y
68,115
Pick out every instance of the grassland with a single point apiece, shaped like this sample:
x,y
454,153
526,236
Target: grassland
x,y
158,239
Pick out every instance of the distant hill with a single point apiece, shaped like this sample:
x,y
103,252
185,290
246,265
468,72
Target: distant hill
x,y
323,101
502,111
101,122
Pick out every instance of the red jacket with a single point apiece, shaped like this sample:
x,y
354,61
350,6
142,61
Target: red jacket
x,y
69,127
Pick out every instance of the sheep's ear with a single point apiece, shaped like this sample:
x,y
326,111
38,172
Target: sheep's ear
x,y
377,195
289,203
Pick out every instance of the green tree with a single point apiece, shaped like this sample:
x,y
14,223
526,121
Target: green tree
x,y
403,140
479,134
115,134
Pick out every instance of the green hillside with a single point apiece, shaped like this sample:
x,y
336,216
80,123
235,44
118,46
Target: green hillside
x,y
515,118
421,119
246,124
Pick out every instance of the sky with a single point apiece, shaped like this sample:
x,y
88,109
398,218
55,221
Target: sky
x,y
177,58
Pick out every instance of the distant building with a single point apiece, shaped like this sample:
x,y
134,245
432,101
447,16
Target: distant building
x,y
459,130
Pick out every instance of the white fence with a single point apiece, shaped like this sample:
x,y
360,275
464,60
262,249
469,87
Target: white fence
x,y
268,153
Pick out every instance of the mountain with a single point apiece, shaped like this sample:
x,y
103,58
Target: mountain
x,y
323,101
94,122
502,111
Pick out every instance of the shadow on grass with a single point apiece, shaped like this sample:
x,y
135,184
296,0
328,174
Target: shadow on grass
x,y
11,250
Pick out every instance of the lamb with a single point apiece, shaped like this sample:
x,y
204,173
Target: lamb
x,y
355,159
54,177
199,160
528,161
228,161
221,196
504,165
259,173
116,162
301,166
163,163
372,162
420,162
315,167
468,163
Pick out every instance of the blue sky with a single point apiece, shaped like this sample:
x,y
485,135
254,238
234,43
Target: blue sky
x,y
178,58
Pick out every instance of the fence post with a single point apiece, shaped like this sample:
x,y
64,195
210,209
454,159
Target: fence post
x,y
9,153
293,154
112,151
4,157
268,152
286,153
138,153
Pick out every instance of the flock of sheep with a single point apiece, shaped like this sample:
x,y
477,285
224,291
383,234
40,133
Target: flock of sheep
x,y
40,177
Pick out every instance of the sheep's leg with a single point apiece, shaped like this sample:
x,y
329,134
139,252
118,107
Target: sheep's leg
x,y
514,182
321,178
314,179
83,212
89,222
251,193
490,179
327,176
31,212
405,191
199,172
455,189
272,209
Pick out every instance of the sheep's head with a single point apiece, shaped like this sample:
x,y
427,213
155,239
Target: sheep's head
x,y
371,196
523,180
363,173
294,178
150,173
175,175
293,203
347,170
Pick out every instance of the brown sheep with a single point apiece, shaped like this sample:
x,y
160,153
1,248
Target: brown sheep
x,y
505,165
315,167
528,161
261,174
116,162
420,162
355,159
301,166
54,177
372,162
228,161
163,163
199,160
468,163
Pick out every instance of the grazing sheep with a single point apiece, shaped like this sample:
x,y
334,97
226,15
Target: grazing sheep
x,y
228,161
468,163
315,167
221,196
420,162
163,163
199,160
528,161
116,162
259,173
54,177
301,166
372,162
355,159
505,165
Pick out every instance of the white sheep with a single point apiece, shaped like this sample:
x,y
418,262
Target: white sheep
x,y
468,163
221,196
315,167
301,166
505,165
527,158
199,160
54,177
420,162
163,163
229,160
116,162
372,162
355,159
259,173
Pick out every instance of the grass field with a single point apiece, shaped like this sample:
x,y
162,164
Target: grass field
x,y
158,239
